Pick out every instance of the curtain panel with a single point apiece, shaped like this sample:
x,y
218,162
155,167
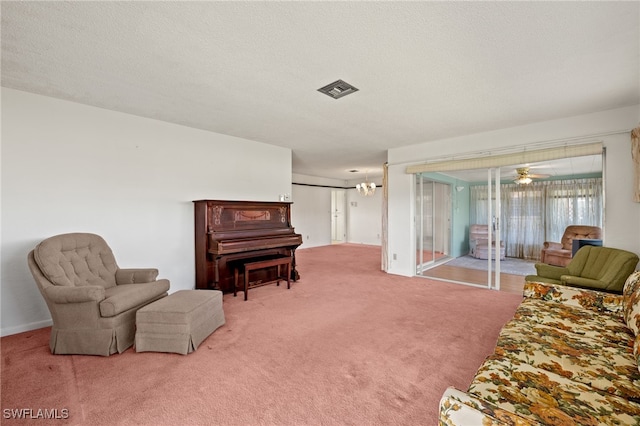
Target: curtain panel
x,y
539,212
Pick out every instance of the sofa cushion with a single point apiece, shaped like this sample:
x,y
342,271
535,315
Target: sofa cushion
x,y
592,300
576,320
76,259
608,367
631,302
123,297
548,397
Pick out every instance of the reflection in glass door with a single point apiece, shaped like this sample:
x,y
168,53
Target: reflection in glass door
x,y
433,222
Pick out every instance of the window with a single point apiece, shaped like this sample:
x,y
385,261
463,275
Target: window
x,y
539,212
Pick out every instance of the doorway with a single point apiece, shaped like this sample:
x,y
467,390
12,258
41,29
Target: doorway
x,y
338,219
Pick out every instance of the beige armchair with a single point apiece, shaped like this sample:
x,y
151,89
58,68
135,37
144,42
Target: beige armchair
x,y
479,243
92,301
560,254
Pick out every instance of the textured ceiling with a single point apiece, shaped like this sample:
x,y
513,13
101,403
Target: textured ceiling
x,y
424,70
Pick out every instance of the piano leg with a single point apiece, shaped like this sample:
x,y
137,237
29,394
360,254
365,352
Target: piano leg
x,y
216,275
295,276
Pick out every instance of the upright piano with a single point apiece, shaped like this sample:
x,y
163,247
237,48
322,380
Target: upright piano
x,y
232,231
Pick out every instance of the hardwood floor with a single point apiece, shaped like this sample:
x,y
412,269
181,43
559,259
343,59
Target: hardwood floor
x,y
508,282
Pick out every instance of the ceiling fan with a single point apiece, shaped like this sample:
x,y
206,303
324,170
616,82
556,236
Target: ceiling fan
x,y
525,178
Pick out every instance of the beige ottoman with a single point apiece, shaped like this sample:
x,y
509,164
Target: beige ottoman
x,y
179,322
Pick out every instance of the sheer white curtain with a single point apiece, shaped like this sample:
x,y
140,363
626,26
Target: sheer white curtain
x,y
540,211
573,202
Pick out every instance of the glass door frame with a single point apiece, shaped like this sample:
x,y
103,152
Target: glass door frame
x,y
494,236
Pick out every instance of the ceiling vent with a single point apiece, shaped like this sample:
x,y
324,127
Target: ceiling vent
x,y
337,89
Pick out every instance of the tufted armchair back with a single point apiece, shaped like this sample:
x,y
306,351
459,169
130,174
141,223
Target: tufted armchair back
x,y
579,232
77,259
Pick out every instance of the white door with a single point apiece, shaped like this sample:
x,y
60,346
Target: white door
x,y
338,220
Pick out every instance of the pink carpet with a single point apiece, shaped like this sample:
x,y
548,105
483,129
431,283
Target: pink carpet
x,y
347,345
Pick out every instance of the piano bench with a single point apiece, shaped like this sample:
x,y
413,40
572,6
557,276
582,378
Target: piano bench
x,y
256,263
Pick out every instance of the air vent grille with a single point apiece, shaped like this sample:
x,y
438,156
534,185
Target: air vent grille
x,y
337,89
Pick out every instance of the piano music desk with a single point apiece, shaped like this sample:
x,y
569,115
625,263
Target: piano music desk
x,y
256,263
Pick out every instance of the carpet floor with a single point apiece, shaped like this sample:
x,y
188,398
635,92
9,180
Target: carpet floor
x,y
346,345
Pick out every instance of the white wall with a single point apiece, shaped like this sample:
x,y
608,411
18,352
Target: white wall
x,y
311,212
364,217
311,209
622,215
68,167
311,215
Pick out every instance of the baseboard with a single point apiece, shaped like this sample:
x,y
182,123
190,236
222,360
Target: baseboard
x,y
25,327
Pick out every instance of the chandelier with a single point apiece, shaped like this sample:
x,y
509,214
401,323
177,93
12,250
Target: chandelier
x,y
366,188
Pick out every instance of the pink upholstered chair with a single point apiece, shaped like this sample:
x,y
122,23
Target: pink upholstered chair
x,y
479,243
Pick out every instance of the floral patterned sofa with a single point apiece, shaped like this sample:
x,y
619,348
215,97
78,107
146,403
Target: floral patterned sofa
x,y
569,356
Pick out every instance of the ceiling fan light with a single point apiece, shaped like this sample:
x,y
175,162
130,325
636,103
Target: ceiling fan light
x,y
525,180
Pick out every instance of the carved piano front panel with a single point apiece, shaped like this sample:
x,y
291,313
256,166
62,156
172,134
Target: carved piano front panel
x,y
230,230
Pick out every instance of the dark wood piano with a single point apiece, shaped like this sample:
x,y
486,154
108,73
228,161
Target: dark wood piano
x,y
232,231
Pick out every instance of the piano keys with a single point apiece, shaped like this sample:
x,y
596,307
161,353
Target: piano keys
x,y
228,231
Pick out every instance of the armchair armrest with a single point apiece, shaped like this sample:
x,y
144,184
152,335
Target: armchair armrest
x,y
64,294
461,409
552,245
579,297
133,276
550,271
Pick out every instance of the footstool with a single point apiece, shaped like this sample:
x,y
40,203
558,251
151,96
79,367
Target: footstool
x,y
179,322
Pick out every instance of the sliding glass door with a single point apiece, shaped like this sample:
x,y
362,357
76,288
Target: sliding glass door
x,y
533,204
433,222
434,231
